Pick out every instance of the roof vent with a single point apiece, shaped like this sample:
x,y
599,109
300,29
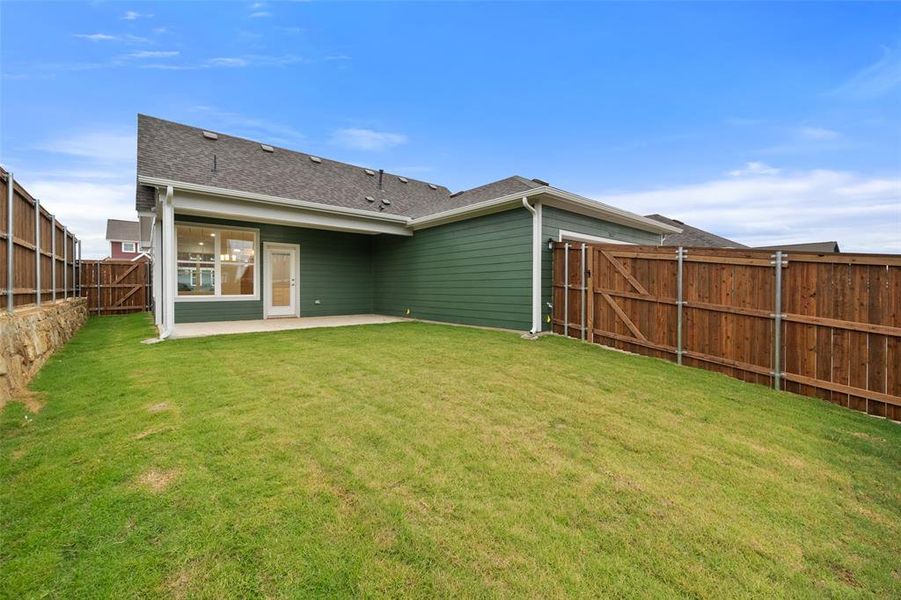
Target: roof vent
x,y
316,159
369,172
386,202
267,148
433,186
403,179
370,199
540,182
210,135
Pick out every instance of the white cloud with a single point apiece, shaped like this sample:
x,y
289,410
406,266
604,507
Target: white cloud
x,y
153,54
103,146
84,207
754,168
877,79
227,61
85,178
818,133
132,15
367,139
861,212
260,14
108,37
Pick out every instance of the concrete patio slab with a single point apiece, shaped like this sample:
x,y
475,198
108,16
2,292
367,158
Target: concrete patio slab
x,y
192,330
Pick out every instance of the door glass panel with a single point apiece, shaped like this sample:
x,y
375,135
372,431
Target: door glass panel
x,y
281,278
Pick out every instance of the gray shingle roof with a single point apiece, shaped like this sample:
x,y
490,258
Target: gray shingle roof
x,y
181,153
126,231
692,237
819,247
495,189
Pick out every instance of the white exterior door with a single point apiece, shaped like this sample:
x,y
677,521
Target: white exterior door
x,y
281,280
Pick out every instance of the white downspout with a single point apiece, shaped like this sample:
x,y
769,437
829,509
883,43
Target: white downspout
x,y
169,265
536,263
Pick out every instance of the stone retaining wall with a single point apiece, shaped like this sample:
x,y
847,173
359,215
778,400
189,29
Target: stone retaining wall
x,y
30,335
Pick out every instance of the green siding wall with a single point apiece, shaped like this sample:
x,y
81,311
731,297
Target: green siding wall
x,y
555,219
476,272
335,268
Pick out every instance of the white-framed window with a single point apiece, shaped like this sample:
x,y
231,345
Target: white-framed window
x,y
130,247
216,263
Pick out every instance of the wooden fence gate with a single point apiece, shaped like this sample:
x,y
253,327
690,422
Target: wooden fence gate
x,y
115,287
823,325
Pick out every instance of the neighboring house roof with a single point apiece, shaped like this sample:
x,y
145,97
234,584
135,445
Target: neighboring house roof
x,y
199,161
122,231
692,236
825,247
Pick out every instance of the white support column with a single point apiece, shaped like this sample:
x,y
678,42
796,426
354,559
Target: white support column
x,y
170,264
157,266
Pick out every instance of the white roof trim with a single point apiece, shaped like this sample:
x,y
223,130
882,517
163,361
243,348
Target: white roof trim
x,y
593,207
254,197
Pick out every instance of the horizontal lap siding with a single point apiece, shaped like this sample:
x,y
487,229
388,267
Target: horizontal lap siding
x,y
335,269
475,272
555,219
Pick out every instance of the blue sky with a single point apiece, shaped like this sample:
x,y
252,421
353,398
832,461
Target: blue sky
x,y
763,122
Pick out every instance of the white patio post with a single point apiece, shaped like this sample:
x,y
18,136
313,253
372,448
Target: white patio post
x,y
157,266
170,266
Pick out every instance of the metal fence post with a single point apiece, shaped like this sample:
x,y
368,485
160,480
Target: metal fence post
x,y
777,319
65,262
582,295
53,257
76,268
10,274
680,254
37,252
566,289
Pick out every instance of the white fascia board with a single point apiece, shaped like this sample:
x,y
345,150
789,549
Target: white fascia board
x,y
550,196
606,212
265,198
486,207
242,210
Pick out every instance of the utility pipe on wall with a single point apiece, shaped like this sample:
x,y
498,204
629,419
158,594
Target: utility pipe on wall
x,y
536,263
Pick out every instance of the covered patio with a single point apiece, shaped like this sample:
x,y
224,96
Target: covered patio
x,y
193,330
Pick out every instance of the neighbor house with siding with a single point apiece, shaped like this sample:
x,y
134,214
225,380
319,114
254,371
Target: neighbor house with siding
x,y
124,240
240,229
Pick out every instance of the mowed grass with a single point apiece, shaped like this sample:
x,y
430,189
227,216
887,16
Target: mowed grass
x,y
424,460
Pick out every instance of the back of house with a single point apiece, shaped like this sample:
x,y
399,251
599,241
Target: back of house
x,y
240,229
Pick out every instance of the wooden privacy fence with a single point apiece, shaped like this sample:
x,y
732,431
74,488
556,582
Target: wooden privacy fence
x,y
38,255
823,325
115,287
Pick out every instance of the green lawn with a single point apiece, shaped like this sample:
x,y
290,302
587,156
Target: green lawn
x,y
425,460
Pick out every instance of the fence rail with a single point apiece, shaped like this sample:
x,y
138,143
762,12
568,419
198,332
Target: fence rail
x,y
115,287
820,325
39,253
